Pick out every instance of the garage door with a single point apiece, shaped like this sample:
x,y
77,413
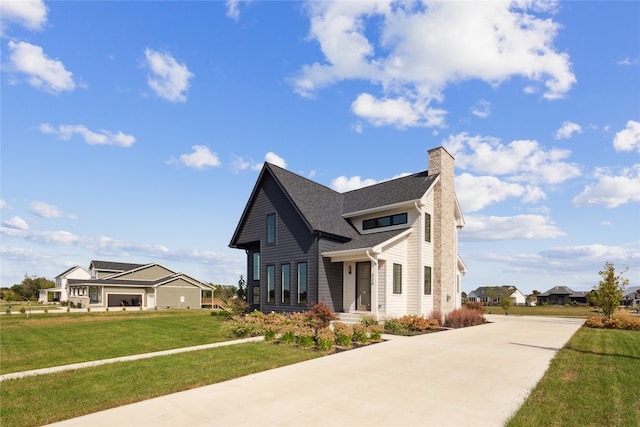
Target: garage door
x,y
127,300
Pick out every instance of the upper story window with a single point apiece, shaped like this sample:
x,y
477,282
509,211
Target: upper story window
x,y
256,266
384,221
271,228
427,227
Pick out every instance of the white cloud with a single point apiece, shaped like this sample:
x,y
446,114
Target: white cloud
x,y
628,139
567,130
46,210
44,73
200,158
611,190
101,137
4,205
169,79
482,109
519,227
239,164
31,14
520,160
413,51
16,222
273,158
477,192
343,184
593,254
233,11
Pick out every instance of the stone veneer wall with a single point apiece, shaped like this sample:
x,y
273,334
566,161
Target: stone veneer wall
x,y
444,230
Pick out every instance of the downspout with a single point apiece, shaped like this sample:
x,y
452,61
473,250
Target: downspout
x,y
374,285
419,267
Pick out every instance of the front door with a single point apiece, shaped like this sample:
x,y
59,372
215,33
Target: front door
x,y
363,286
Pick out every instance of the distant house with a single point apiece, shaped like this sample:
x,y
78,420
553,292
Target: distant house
x,y
116,284
561,295
631,296
387,249
61,291
489,295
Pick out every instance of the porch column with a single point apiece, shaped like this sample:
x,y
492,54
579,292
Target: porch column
x,y
374,285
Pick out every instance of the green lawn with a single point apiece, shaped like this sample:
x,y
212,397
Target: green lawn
x,y
592,381
551,310
43,399
44,340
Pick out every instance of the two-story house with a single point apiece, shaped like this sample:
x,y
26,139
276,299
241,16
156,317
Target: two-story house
x,y
388,249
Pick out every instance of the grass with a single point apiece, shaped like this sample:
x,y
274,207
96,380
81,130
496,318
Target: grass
x,y
592,381
44,399
44,340
541,310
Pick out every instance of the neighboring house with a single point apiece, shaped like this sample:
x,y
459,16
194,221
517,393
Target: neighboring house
x,y
116,284
492,295
561,295
61,291
387,249
631,296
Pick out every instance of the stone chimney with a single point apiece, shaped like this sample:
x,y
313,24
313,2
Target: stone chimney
x,y
445,255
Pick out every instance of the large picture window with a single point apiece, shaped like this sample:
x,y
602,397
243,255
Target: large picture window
x,y
286,283
397,278
271,283
427,280
271,228
302,283
256,266
384,221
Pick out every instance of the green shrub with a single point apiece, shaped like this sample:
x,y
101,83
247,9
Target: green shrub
x,y
344,334
46,310
360,334
325,338
368,321
375,332
23,310
238,306
88,309
288,334
305,336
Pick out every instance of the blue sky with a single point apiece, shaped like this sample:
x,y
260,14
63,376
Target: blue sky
x,y
134,131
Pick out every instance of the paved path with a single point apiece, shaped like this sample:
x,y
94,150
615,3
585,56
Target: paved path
x,y
467,377
92,363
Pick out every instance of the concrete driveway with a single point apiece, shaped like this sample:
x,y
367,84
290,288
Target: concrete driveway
x,y
475,376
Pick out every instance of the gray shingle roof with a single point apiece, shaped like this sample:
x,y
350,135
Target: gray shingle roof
x,y
407,188
114,266
557,290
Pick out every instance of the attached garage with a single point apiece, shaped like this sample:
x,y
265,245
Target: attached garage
x,y
178,293
124,300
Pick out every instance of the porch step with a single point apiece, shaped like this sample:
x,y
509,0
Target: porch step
x,y
350,318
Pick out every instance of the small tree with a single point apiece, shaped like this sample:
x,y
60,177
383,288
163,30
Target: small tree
x,y
505,299
610,289
241,289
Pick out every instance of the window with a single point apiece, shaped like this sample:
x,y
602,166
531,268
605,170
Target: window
x,y
256,266
427,280
302,283
384,221
286,283
427,227
256,295
397,278
271,228
271,283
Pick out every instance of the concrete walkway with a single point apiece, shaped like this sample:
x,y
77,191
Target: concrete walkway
x,y
467,377
92,363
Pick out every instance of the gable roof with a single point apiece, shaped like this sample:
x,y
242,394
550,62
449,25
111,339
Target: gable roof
x,y
324,210
392,192
558,290
113,266
67,271
487,290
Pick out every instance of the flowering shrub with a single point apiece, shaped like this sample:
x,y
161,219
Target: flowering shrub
x,y
360,334
305,336
619,321
325,338
344,334
463,317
